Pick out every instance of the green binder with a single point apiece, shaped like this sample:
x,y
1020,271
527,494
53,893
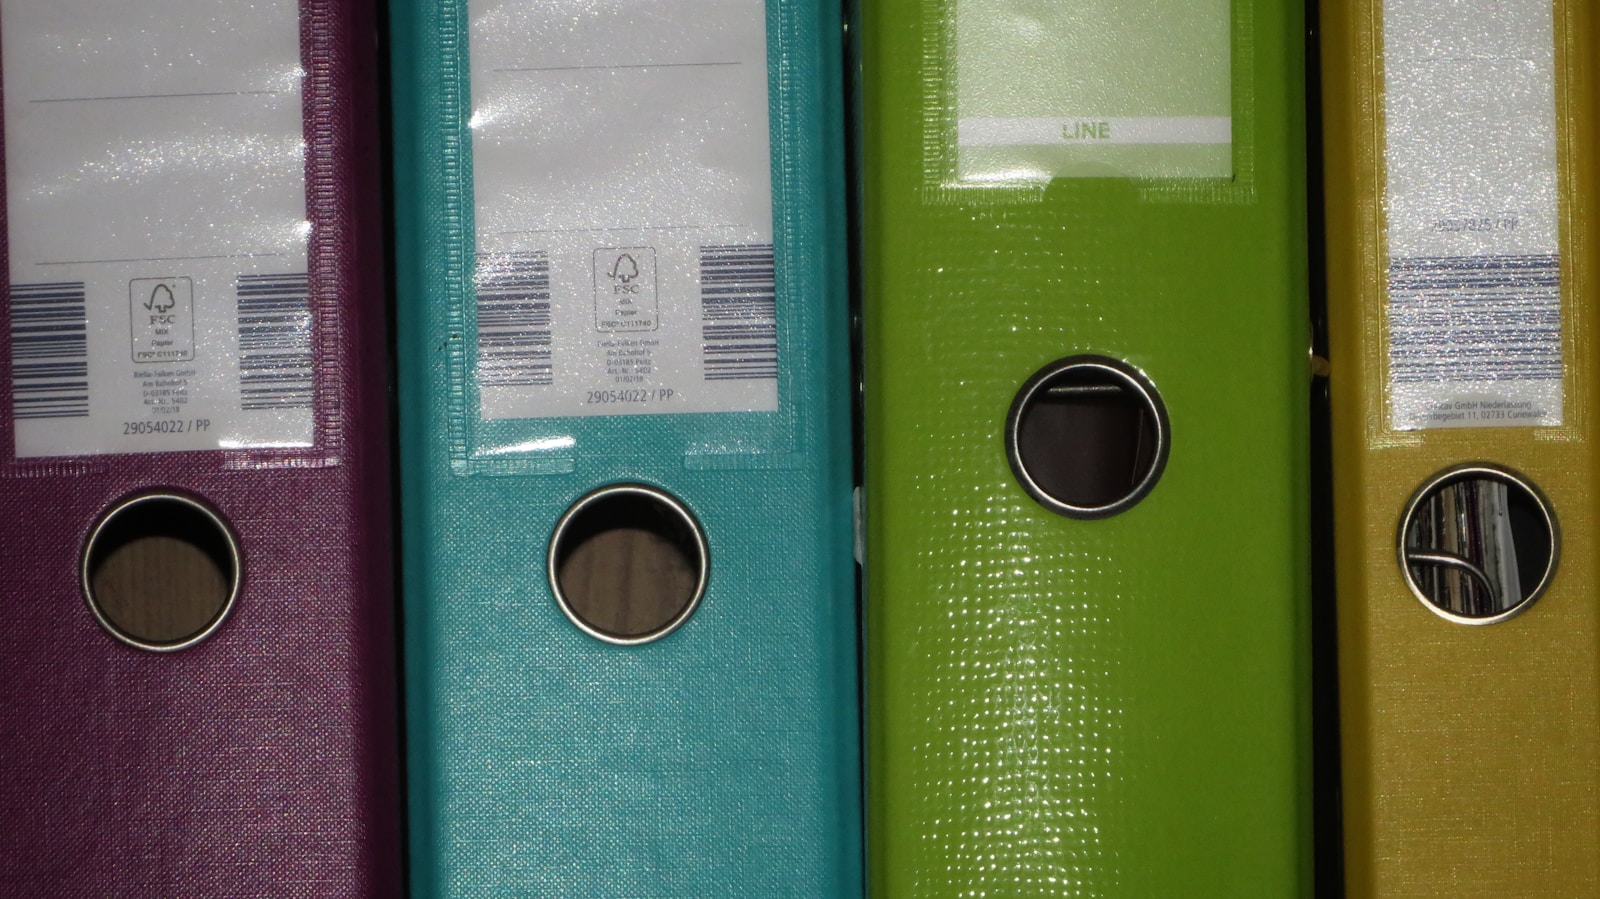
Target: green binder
x,y
1086,492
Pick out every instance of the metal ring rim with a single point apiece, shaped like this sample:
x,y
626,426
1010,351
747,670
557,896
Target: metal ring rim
x,y
235,556
1129,375
679,508
1496,472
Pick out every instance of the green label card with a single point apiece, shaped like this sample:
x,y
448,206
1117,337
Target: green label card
x,y
1090,89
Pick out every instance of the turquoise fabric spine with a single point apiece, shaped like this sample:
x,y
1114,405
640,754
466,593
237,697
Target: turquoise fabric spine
x,y
723,759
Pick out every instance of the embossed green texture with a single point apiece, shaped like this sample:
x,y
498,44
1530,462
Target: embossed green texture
x,y
723,760
1085,708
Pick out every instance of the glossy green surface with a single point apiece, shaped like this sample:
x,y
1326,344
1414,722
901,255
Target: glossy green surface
x,y
1060,707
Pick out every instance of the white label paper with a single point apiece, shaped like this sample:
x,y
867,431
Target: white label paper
x,y
1472,205
155,188
623,197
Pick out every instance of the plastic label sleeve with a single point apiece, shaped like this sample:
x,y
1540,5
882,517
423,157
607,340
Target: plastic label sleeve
x,y
623,200
1474,266
1140,88
155,189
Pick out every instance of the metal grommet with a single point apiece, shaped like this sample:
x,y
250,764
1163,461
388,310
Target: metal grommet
x,y
1116,423
141,516
1467,538
640,504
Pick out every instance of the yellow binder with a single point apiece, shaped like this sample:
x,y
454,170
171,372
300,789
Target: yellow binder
x,y
1461,163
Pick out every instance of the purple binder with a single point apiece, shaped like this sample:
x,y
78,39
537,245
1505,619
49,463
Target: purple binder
x,y
258,755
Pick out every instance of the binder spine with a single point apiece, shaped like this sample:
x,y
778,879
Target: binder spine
x,y
718,759
262,758
1452,722
1057,692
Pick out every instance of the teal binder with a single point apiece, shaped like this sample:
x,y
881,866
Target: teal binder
x,y
613,325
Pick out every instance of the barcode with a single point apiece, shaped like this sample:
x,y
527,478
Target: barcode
x,y
274,341
739,313
514,320
1475,318
49,351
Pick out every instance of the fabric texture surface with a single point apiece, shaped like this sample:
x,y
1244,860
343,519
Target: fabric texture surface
x,y
1470,753
723,759
263,760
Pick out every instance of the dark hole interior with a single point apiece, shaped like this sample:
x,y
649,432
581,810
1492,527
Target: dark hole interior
x,y
1532,538
160,571
628,565
1462,518
1087,438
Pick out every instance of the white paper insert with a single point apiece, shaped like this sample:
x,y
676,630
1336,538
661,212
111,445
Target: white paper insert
x,y
155,187
623,196
1472,205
